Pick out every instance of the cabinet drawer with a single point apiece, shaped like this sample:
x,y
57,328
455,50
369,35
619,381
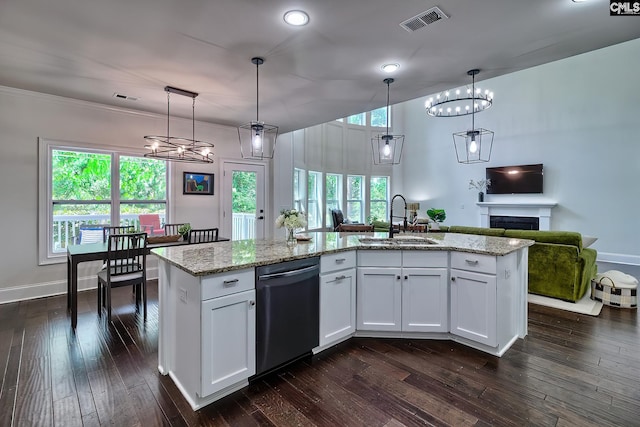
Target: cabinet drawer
x,y
227,283
473,262
339,261
384,258
425,259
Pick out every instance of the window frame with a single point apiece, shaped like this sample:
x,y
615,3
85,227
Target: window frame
x,y
46,255
362,200
387,201
327,202
318,200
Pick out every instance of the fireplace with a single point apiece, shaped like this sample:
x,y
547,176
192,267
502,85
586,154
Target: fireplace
x,y
514,222
539,209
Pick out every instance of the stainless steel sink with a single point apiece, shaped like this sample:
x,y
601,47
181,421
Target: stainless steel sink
x,y
398,241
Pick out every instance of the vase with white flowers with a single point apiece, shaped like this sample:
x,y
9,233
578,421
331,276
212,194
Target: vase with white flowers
x,y
481,185
291,219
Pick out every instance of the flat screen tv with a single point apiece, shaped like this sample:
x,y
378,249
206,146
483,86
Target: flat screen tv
x,y
520,179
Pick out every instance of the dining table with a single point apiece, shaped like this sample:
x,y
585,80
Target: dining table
x,y
96,252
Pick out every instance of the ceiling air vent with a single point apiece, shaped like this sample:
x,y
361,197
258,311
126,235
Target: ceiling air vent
x,y
423,19
121,96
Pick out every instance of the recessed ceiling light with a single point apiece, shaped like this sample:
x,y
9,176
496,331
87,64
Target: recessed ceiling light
x,y
296,18
390,68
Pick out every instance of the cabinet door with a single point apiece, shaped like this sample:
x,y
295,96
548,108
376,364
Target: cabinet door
x,y
425,300
228,341
473,306
337,305
379,299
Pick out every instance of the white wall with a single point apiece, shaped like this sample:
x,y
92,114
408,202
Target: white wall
x,y
578,116
26,116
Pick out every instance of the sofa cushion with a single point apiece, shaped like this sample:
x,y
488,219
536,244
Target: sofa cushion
x,y
561,237
498,232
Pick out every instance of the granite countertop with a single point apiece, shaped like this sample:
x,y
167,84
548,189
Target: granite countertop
x,y
211,258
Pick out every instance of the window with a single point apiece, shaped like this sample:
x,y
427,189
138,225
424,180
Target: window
x,y
355,198
334,194
143,188
314,200
299,187
379,117
357,119
87,187
379,198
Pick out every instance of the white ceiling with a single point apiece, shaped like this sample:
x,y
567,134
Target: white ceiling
x,y
91,49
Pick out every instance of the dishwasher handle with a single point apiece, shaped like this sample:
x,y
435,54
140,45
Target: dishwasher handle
x,y
288,273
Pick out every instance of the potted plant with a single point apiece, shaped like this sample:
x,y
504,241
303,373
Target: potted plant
x,y
183,230
480,185
437,216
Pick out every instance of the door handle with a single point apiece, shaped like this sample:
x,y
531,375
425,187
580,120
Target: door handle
x,y
260,217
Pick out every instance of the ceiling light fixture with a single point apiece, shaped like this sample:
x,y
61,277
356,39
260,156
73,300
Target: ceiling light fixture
x,y
459,101
387,149
297,18
473,146
390,68
176,148
257,139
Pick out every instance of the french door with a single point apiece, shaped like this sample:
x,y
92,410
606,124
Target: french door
x,y
243,200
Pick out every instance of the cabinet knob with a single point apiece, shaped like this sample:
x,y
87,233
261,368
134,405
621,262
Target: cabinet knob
x,y
472,261
453,279
338,278
339,260
228,283
406,277
397,277
252,303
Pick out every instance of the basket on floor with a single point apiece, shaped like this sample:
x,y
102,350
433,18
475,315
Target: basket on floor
x,y
622,295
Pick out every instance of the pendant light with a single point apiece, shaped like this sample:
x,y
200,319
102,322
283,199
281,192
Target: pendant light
x,y
387,149
257,139
174,148
474,146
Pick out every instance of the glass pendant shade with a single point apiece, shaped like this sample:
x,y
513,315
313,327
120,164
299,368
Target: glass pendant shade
x,y
387,149
257,139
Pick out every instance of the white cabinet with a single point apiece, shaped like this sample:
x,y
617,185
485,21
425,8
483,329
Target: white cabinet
x,y
379,299
208,332
474,297
425,300
337,297
228,353
407,291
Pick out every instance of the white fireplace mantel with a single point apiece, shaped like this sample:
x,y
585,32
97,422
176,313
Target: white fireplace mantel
x,y
533,208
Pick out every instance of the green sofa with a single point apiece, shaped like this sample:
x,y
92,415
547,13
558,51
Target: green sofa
x,y
559,267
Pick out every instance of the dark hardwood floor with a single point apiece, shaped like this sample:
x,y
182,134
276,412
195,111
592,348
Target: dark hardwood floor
x,y
571,370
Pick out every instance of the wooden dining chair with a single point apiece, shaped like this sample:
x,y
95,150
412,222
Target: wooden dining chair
x,y
127,261
203,235
116,229
172,229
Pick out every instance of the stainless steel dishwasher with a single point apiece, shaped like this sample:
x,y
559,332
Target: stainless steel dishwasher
x,y
287,312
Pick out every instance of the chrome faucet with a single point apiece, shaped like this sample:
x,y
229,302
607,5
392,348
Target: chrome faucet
x,y
391,216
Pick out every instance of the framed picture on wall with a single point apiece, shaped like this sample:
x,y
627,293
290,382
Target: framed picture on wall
x,y
197,183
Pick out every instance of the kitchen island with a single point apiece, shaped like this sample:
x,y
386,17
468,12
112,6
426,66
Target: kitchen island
x,y
468,288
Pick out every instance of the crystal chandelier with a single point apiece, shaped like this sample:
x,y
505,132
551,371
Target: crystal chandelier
x,y
257,139
387,149
175,148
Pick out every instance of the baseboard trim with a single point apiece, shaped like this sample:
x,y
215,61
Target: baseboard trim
x,y
57,287
623,259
